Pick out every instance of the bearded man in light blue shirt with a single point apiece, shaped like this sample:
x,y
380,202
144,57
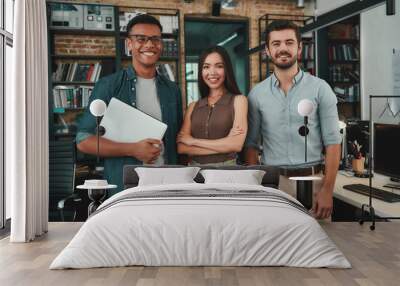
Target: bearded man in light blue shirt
x,y
273,116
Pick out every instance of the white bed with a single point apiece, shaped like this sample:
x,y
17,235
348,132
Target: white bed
x,y
201,224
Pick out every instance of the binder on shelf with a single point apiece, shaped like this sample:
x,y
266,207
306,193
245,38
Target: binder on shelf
x,y
99,17
66,16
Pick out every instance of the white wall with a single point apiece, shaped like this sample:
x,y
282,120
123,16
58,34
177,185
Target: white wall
x,y
323,6
379,35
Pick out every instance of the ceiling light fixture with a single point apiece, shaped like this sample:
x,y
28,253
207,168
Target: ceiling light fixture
x,y
229,4
230,38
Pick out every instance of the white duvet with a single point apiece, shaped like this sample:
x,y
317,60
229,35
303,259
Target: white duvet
x,y
207,230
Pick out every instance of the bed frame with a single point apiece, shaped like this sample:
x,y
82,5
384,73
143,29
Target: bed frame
x,y
270,179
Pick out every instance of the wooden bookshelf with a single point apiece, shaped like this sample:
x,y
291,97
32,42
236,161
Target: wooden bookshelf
x,y
339,63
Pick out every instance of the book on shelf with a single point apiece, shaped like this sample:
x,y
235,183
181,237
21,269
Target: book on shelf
x,y
170,48
348,94
124,48
344,31
340,73
343,52
125,17
308,66
308,51
170,23
77,72
166,70
71,96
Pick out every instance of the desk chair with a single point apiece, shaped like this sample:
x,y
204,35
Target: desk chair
x,y
62,194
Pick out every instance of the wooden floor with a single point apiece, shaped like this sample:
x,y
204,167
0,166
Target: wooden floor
x,y
375,256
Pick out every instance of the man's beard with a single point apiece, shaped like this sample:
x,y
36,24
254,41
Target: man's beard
x,y
284,66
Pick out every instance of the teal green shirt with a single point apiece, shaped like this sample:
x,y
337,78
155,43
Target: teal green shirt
x,y
274,116
122,85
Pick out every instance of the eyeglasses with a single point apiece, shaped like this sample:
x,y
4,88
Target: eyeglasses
x,y
143,39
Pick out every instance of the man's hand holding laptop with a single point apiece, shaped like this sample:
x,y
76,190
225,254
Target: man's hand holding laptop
x,y
125,124
146,150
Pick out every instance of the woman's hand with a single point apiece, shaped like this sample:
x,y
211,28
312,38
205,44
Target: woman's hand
x,y
236,131
185,139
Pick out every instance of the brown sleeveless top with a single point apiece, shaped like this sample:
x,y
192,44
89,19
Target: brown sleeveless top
x,y
213,122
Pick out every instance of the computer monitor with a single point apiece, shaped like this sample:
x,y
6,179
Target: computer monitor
x,y
387,150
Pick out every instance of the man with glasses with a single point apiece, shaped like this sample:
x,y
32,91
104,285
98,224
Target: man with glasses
x,y
141,86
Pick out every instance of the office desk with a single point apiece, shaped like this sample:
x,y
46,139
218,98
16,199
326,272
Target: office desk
x,y
382,208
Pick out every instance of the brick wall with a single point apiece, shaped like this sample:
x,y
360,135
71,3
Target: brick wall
x,y
84,45
252,9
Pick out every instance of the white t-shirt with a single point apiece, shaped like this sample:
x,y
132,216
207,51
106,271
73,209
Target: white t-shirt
x,y
148,102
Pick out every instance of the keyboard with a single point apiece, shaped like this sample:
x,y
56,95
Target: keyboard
x,y
393,186
376,193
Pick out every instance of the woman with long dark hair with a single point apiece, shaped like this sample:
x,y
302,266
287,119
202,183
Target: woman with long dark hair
x,y
215,127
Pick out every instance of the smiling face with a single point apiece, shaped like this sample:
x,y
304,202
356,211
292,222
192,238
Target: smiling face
x,y
283,48
213,71
145,53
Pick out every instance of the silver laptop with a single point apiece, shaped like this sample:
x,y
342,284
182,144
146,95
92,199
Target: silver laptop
x,y
126,124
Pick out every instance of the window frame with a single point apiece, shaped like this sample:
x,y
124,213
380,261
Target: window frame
x,y
6,39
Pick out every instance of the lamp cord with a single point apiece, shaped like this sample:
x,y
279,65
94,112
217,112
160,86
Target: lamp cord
x,y
305,138
98,138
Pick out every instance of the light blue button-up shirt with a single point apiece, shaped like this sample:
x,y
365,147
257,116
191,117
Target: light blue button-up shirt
x,y
274,116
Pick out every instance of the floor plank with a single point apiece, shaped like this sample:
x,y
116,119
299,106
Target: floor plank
x,y
375,257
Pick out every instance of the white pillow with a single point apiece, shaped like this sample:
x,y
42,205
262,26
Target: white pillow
x,y
163,176
249,177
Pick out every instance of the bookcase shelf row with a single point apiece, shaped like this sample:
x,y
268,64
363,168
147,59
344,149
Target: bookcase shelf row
x,y
339,41
126,58
339,63
342,82
74,83
66,109
61,31
163,35
170,49
81,57
71,97
344,62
